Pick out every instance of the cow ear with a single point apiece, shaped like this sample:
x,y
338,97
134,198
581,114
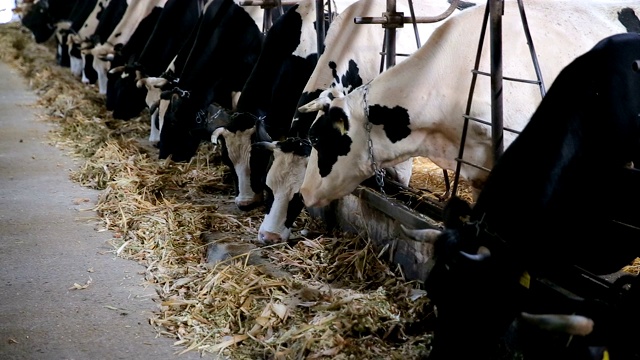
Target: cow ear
x,y
314,105
216,134
425,235
116,70
267,145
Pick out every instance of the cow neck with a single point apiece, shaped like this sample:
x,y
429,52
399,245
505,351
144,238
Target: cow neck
x,y
377,170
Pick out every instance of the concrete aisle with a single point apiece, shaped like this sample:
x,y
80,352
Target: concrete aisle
x,y
46,246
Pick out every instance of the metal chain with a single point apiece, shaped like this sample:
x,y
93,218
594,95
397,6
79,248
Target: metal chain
x,y
378,172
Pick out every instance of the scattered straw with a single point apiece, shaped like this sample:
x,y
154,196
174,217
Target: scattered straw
x,y
324,297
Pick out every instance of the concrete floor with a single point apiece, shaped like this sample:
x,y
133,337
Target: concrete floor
x,y
48,243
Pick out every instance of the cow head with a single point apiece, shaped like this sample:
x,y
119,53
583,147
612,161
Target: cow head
x,y
75,56
157,107
248,164
128,100
103,54
284,179
62,31
176,137
475,289
39,19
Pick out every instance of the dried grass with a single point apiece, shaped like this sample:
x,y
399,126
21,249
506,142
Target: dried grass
x,y
329,297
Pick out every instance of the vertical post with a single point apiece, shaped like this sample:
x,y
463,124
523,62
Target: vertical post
x,y
390,36
496,9
320,30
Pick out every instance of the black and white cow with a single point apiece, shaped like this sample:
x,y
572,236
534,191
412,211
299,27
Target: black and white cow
x,y
268,99
109,18
347,62
416,108
137,12
70,25
41,17
155,84
178,17
75,40
538,217
225,50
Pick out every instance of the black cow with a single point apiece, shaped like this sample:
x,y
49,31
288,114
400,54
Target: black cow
x,y
42,16
560,204
269,97
226,48
178,17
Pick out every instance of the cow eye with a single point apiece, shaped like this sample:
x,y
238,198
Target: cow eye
x,y
314,141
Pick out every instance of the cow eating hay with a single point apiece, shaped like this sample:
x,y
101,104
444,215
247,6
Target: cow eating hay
x,y
339,299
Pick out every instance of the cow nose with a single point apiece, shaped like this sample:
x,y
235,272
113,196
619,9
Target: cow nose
x,y
267,237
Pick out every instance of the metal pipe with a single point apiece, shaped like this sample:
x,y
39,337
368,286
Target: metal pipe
x,y
408,19
267,3
390,36
320,26
532,49
496,10
472,87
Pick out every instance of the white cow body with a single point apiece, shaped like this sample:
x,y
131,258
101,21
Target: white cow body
x,y
346,44
432,85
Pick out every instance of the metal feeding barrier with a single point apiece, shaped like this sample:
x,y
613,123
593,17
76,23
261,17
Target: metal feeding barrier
x,y
494,12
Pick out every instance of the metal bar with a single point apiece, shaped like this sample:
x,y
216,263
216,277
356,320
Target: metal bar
x,y
320,26
474,165
395,209
496,9
488,123
419,19
474,78
266,3
390,36
415,24
534,82
384,53
532,50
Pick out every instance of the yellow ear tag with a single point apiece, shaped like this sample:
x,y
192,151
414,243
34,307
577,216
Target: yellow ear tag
x,y
525,279
605,355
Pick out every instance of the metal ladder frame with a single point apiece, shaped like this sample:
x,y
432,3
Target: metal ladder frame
x,y
494,12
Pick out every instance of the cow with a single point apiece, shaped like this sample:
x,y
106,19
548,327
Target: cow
x,y
137,12
416,108
346,63
108,19
536,217
155,84
268,98
178,17
226,48
74,41
69,25
41,17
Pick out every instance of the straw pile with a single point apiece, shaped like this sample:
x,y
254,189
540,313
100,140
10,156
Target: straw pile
x,y
317,298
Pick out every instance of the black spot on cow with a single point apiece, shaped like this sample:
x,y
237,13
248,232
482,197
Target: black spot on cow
x,y
394,121
463,5
297,146
334,72
329,140
352,77
629,19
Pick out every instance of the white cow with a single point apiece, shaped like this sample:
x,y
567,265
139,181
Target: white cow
x,y
416,107
351,57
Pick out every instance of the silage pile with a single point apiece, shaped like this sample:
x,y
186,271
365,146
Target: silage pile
x,y
318,298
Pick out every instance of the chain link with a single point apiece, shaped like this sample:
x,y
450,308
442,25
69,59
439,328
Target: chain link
x,y
377,171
